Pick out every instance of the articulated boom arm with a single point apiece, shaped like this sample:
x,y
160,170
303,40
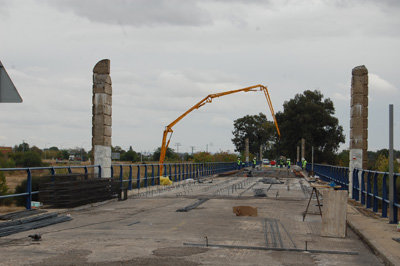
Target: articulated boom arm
x,y
208,99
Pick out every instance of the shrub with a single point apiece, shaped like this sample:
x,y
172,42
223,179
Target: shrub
x,y
21,188
27,159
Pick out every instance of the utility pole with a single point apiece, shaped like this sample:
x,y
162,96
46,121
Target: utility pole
x,y
392,214
177,146
192,149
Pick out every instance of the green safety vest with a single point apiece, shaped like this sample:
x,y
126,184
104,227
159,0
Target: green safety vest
x,y
288,163
238,162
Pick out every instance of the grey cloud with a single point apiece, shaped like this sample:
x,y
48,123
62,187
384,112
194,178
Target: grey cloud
x,y
384,4
138,12
3,7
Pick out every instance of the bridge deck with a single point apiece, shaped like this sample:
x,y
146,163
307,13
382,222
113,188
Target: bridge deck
x,y
147,230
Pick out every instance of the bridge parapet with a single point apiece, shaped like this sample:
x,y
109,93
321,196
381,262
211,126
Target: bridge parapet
x,y
370,188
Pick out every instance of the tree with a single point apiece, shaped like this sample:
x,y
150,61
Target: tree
x,y
63,154
170,155
4,190
223,156
202,157
130,155
343,158
6,161
382,164
309,116
21,147
27,159
257,129
3,184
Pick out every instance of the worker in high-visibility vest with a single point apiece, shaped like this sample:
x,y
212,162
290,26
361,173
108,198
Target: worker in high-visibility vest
x,y
304,164
288,163
239,163
254,162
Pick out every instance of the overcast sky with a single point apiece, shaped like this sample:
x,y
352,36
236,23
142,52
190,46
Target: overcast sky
x,y
168,54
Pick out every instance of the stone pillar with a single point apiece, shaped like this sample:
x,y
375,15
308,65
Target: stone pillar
x,y
303,149
358,122
101,119
246,152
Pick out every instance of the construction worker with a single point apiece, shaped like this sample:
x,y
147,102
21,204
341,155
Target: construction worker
x,y
288,163
239,163
304,164
254,162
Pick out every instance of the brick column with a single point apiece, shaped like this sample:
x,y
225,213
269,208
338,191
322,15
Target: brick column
x,y
101,119
358,121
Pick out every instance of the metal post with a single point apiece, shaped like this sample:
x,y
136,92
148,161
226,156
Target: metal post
x,y
145,176
152,175
391,179
121,177
138,177
53,173
130,178
29,190
246,151
176,174
158,174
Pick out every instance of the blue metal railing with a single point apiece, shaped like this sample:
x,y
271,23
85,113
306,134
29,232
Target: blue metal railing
x,y
29,170
149,174
370,188
146,174
337,174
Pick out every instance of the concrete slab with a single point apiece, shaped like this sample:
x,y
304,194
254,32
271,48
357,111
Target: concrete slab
x,y
147,230
377,233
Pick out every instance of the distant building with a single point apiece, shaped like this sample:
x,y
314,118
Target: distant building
x,y
5,150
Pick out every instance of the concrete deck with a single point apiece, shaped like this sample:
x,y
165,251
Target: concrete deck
x,y
377,233
147,230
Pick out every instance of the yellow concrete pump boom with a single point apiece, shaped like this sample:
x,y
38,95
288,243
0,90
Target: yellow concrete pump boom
x,y
208,99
